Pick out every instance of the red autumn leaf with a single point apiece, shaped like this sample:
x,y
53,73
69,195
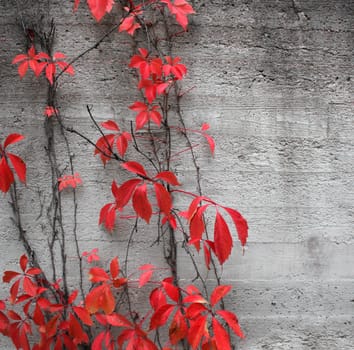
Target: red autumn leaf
x,y
108,216
174,67
221,336
232,321
65,67
19,166
163,197
180,8
194,298
92,256
23,262
210,345
114,268
196,331
83,315
171,290
33,271
100,298
157,298
14,291
6,176
169,177
218,293
97,274
146,66
27,60
129,25
73,296
178,329
122,142
160,316
145,113
135,167
97,343
76,332
69,181
197,227
211,143
110,125
145,277
29,287
207,256
118,320
240,224
50,72
99,8
141,203
196,310
222,239
9,275
104,147
125,192
13,138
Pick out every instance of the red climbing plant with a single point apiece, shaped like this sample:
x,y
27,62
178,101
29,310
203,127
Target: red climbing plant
x,y
40,313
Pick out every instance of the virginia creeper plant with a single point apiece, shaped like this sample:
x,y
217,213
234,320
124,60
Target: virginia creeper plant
x,y
41,312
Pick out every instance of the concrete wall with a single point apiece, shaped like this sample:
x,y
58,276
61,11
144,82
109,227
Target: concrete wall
x,y
275,81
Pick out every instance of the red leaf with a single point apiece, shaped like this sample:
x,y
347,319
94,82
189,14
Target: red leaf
x,y
97,343
178,329
125,192
141,203
211,143
29,287
13,138
83,315
240,224
180,8
76,5
100,298
222,239
163,197
197,227
50,72
207,256
99,8
65,67
23,262
19,166
122,142
157,298
69,181
232,321
33,271
171,290
110,125
160,316
218,293
169,177
108,216
196,332
9,275
135,168
97,274
129,25
6,176
221,336
118,320
73,296
145,277
195,298
22,69
205,126
195,310
114,268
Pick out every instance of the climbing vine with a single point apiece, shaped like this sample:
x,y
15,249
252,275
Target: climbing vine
x,y
42,312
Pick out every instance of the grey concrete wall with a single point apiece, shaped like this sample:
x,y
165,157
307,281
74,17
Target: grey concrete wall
x,y
275,81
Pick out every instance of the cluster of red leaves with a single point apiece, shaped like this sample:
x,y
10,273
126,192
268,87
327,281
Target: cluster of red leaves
x,y
61,323
40,62
179,8
6,173
107,144
136,190
155,75
222,244
69,181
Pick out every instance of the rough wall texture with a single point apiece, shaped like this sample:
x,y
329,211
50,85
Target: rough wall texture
x,y
275,81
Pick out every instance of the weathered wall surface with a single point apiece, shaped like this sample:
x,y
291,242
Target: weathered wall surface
x,y
275,81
